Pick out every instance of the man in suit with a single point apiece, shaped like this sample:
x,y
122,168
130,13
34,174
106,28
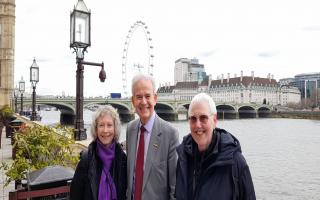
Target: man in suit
x,y
151,147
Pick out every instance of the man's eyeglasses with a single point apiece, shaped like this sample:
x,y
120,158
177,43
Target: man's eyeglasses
x,y
202,118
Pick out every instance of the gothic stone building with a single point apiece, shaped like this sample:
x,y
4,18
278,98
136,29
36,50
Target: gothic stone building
x,y
7,38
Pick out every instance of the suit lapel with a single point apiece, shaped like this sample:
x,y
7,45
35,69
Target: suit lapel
x,y
133,146
152,150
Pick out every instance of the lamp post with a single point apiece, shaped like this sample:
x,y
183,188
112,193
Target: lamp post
x,y
34,79
21,90
15,95
80,27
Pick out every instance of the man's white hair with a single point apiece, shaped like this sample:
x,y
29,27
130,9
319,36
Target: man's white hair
x,y
141,76
203,98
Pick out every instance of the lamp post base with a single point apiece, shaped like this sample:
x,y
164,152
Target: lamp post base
x,y
80,134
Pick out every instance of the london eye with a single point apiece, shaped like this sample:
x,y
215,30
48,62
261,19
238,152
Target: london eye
x,y
131,69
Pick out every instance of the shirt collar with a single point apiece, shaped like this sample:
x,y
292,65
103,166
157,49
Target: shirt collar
x,y
148,126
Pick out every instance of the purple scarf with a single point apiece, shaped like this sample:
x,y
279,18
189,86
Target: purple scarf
x,y
107,189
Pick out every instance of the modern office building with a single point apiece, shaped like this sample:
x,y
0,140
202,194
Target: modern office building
x,y
187,70
7,39
308,84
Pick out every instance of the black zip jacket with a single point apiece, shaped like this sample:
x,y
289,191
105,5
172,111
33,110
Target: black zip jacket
x,y
219,173
85,183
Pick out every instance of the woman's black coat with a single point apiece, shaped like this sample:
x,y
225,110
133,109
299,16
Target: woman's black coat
x,y
85,183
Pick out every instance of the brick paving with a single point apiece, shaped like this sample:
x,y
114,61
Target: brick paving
x,y
6,156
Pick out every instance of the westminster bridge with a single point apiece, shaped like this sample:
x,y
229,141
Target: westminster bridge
x,y
166,109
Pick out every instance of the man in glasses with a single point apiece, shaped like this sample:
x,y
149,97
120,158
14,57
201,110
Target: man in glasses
x,y
210,163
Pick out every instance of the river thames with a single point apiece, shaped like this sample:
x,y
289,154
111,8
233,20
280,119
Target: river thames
x,y
283,154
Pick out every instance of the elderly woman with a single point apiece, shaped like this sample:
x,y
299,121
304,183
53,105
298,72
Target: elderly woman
x,y
101,173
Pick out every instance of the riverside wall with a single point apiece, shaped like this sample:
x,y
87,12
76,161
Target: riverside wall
x,y
314,115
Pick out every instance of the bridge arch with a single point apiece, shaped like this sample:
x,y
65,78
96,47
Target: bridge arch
x,y
115,104
182,110
183,105
67,111
166,111
58,105
247,112
124,110
225,111
263,112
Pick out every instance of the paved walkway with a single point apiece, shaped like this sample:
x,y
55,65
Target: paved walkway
x,y
6,156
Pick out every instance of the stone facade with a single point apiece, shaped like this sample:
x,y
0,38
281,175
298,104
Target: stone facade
x,y
238,90
7,45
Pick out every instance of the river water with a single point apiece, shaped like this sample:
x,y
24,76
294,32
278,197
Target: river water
x,y
283,154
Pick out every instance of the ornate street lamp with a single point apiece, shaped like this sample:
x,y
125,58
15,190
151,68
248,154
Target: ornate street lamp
x,y
34,79
16,95
21,90
80,27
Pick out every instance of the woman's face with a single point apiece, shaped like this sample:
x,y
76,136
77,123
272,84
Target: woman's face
x,y
105,130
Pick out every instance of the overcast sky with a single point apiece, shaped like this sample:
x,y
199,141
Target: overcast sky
x,y
281,37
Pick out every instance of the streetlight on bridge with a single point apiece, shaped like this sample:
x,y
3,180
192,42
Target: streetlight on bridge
x,y
80,27
16,95
21,90
34,79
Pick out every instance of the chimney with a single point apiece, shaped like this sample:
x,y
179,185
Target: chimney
x,y
269,77
221,78
241,75
252,75
272,76
235,75
228,77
